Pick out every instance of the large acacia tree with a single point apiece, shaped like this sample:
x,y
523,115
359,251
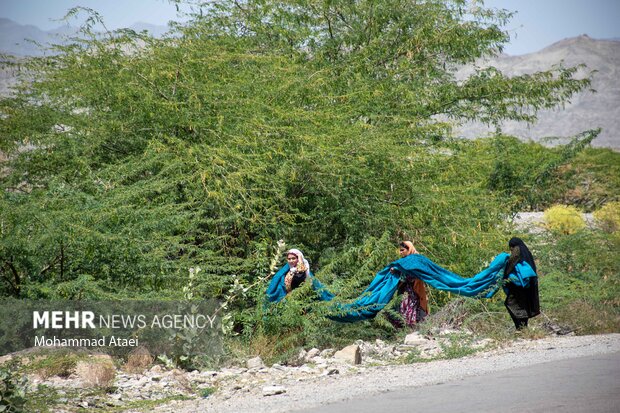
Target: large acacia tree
x,y
322,123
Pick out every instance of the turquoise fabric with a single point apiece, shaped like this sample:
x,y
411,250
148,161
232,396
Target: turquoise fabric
x,y
276,290
482,284
371,301
522,274
384,285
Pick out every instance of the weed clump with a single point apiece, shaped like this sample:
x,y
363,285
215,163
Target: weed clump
x,y
138,360
564,219
608,217
56,364
13,386
98,371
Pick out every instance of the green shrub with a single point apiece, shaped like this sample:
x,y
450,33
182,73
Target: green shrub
x,y
564,219
13,386
59,364
458,346
608,217
580,281
207,391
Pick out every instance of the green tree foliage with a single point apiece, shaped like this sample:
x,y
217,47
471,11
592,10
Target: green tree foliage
x,y
133,159
581,283
532,176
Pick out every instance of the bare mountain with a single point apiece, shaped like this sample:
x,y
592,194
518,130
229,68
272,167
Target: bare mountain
x,y
587,110
21,40
26,40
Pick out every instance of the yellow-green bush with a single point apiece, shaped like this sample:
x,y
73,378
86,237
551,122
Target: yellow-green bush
x,y
565,219
608,217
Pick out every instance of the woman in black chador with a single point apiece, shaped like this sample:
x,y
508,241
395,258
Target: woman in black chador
x,y
521,285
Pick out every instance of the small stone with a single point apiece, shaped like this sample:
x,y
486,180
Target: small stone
x,y
327,353
305,369
312,353
331,371
350,354
415,339
273,390
430,353
225,372
156,369
255,363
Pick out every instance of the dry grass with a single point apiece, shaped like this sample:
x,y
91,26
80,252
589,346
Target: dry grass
x,y
98,371
138,360
259,345
59,364
585,317
533,331
272,349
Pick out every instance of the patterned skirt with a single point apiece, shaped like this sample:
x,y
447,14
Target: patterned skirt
x,y
410,308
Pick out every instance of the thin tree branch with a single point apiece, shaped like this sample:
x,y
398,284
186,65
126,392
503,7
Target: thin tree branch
x,y
162,94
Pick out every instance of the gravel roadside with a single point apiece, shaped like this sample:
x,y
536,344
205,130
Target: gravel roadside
x,y
303,393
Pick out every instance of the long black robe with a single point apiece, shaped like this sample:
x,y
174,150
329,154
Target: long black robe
x,y
522,303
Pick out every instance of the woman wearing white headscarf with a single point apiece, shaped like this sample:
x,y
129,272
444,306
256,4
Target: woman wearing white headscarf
x,y
291,276
299,269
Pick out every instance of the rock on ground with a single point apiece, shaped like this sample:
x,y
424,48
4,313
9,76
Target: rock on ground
x,y
307,390
534,222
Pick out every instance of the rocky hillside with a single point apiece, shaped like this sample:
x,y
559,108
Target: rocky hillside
x,y
586,111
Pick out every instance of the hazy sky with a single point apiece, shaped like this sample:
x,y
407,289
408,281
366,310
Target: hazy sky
x,y
537,24
116,13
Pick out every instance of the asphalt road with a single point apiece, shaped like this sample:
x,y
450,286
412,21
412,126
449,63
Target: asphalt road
x,y
587,384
